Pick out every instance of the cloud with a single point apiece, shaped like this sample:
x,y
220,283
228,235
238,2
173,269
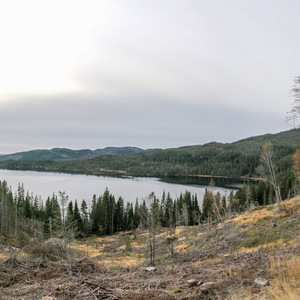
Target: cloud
x,y
148,74
82,122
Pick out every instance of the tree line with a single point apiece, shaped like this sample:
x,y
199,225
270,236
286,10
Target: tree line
x,y
24,216
233,160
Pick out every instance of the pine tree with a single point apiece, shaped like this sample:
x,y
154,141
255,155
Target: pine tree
x,y
119,215
143,215
84,217
163,204
27,207
70,214
52,216
21,199
129,216
196,213
223,206
94,216
169,212
153,225
136,214
77,218
207,205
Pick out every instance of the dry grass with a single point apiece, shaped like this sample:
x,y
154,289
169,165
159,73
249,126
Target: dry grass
x,y
88,250
278,244
294,243
3,256
288,208
179,230
292,203
254,217
106,239
182,248
121,248
286,282
122,262
8,252
138,244
199,235
163,234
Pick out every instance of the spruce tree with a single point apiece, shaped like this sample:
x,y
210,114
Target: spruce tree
x,y
84,217
77,218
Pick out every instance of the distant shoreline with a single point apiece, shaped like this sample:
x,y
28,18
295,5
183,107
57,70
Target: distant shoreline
x,y
103,172
228,177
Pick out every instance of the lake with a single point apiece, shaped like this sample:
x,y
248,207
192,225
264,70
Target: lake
x,y
80,187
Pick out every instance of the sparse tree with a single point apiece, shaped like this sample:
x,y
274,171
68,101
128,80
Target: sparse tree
x,y
169,211
216,200
143,215
267,170
84,217
153,225
185,215
294,114
63,202
207,206
77,218
296,169
249,201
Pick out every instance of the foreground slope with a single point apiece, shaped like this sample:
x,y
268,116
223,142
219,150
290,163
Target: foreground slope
x,y
210,261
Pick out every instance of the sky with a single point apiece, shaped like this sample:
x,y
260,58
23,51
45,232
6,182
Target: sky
x,y
150,74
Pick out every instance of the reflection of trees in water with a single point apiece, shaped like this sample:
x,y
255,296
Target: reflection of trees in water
x,y
204,181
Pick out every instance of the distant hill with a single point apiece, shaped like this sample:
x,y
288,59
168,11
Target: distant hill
x,y
63,154
236,159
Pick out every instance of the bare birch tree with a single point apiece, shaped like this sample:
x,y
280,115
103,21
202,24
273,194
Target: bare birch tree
x,y
267,170
63,202
294,114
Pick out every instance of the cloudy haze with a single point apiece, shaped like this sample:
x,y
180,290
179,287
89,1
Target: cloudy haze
x,y
159,73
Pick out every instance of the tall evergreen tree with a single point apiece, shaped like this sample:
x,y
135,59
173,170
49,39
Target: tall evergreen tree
x,y
119,215
84,217
207,205
77,218
27,207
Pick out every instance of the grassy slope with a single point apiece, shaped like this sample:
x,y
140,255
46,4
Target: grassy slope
x,y
211,261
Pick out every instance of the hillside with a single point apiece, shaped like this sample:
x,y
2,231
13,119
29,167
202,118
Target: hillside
x,y
63,154
251,256
236,159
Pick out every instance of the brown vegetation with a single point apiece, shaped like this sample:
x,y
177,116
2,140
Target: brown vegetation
x,y
210,261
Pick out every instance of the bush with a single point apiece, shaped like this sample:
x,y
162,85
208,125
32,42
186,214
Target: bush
x,y
53,249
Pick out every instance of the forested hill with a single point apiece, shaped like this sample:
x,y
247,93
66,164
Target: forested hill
x,y
236,159
61,154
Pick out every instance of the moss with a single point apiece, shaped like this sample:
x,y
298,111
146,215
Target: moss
x,y
177,291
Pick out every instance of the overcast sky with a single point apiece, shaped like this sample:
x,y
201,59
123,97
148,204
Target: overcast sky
x,y
157,73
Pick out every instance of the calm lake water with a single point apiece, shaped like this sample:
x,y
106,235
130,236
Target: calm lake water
x,y
84,187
